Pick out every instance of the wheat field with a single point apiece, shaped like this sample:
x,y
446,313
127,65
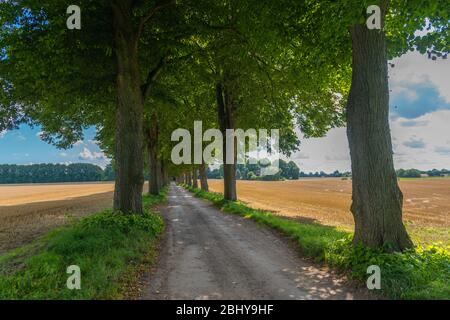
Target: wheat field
x,y
327,201
27,211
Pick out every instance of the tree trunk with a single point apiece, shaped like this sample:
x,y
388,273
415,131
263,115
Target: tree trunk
x,y
226,121
377,199
164,173
194,178
161,174
189,178
152,148
203,178
167,178
129,114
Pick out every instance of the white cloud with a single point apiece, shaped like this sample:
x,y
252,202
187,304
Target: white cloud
x,y
93,142
324,154
413,123
443,150
414,143
300,156
63,154
414,68
3,133
87,154
78,143
431,133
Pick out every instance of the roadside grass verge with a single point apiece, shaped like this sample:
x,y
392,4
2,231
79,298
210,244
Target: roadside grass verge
x,y
420,273
107,246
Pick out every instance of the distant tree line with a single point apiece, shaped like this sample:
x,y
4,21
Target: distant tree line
x,y
50,173
84,172
288,171
415,173
321,174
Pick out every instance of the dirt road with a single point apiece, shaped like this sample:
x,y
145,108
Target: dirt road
x,y
208,254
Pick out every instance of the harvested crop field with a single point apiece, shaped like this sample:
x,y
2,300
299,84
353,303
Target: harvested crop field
x,y
327,201
27,211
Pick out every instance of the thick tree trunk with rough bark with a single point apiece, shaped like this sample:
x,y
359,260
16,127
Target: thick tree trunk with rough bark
x,y
129,114
377,199
225,111
195,177
203,178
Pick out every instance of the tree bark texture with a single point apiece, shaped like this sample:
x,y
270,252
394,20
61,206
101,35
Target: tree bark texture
x,y
129,114
195,177
225,112
203,178
377,199
152,148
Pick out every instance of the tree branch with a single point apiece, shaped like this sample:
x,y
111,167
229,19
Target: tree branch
x,y
151,78
150,15
155,72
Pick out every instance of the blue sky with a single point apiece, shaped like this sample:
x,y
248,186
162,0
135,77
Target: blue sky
x,y
419,99
23,146
419,119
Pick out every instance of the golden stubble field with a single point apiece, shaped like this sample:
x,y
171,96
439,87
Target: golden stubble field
x,y
27,211
327,201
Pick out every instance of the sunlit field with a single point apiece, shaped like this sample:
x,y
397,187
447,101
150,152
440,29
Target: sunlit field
x,y
29,193
327,201
27,211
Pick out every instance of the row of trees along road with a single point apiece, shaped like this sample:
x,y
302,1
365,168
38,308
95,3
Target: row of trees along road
x,y
138,69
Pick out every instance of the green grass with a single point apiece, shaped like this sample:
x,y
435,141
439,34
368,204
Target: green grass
x,y
428,235
108,247
421,273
